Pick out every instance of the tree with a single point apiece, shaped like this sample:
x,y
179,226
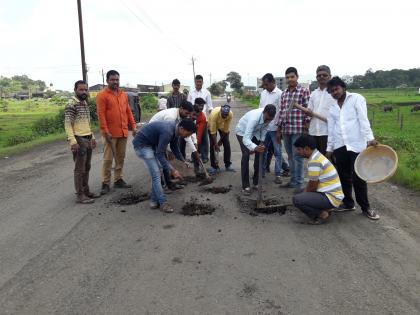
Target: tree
x,y
218,88
234,78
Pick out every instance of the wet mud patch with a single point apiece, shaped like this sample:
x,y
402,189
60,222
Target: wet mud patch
x,y
200,178
218,190
271,206
193,207
131,198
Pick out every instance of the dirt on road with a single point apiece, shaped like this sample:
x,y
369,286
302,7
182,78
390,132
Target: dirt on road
x,y
58,257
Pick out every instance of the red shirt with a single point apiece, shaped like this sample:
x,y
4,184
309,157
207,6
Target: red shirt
x,y
114,113
200,124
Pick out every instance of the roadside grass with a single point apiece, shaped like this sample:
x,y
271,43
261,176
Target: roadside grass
x,y
387,128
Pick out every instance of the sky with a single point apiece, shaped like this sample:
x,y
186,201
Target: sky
x,y
152,42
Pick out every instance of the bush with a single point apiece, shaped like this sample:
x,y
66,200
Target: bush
x,y
398,143
92,109
14,140
59,100
49,125
149,103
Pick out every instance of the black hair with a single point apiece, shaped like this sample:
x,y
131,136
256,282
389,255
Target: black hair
x,y
270,110
111,72
324,68
186,105
77,83
176,82
305,141
292,70
336,81
199,101
196,108
199,77
268,77
187,124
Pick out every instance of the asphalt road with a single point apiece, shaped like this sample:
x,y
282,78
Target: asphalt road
x,y
58,257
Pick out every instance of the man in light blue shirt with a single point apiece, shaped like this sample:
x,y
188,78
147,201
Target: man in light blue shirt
x,y
251,131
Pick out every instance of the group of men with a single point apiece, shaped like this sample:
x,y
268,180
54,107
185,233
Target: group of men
x,y
289,120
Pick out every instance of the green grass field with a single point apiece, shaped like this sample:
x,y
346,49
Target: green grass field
x,y
387,128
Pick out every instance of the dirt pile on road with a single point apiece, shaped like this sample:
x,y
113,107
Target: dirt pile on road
x,y
218,190
131,198
273,206
195,208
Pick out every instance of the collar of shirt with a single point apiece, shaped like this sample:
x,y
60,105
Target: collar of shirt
x,y
75,99
314,152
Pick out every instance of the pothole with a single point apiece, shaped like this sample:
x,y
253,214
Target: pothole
x,y
218,190
195,208
131,198
271,205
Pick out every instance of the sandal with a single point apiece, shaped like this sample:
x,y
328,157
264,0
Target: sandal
x,y
166,208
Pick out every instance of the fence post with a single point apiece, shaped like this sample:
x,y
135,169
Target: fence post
x,y
401,122
373,118
398,114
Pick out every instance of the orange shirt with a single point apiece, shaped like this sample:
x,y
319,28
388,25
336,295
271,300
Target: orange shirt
x,y
114,113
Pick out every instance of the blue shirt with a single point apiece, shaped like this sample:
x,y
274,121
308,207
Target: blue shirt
x,y
252,125
158,135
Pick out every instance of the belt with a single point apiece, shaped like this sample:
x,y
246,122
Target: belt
x,y
85,137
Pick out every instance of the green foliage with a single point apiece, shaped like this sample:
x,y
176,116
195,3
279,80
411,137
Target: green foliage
x,y
234,78
59,100
18,139
3,106
251,100
149,103
218,88
20,83
387,79
49,125
92,109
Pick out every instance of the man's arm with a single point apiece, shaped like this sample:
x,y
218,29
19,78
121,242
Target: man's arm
x,y
161,151
200,125
190,144
174,145
69,116
130,116
314,171
330,126
101,112
249,134
361,110
312,186
209,102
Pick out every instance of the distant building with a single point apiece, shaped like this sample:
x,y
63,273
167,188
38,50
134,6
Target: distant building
x,y
280,82
166,88
146,88
96,88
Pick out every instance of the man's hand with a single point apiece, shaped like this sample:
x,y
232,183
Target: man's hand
x,y
134,132
260,148
328,155
187,164
216,147
108,137
197,155
75,147
373,143
176,174
93,143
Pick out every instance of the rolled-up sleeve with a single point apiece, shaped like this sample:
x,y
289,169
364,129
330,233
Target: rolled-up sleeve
x,y
249,134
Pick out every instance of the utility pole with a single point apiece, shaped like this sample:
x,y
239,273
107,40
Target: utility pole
x,y
103,79
192,59
82,44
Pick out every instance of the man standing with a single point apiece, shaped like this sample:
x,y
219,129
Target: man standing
x,y
349,133
82,140
291,123
251,131
272,95
114,116
199,91
320,102
219,121
176,97
323,191
150,145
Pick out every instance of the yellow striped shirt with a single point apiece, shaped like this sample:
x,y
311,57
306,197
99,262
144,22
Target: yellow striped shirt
x,y
321,169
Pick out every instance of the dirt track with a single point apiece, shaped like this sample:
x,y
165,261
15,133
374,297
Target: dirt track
x,y
62,258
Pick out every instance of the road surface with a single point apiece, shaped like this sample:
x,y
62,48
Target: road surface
x,y
58,257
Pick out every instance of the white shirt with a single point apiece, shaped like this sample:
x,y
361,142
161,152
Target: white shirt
x,y
162,103
252,125
320,102
172,114
349,126
205,95
272,98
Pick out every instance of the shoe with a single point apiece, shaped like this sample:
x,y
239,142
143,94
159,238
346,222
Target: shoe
x,y
344,208
254,187
166,208
285,174
153,205
205,161
230,169
278,180
246,191
84,199
121,184
213,171
317,221
105,189
289,185
92,195
371,214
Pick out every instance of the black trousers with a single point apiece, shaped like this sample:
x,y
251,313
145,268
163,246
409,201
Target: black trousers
x,y
321,143
226,150
312,203
349,179
245,163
